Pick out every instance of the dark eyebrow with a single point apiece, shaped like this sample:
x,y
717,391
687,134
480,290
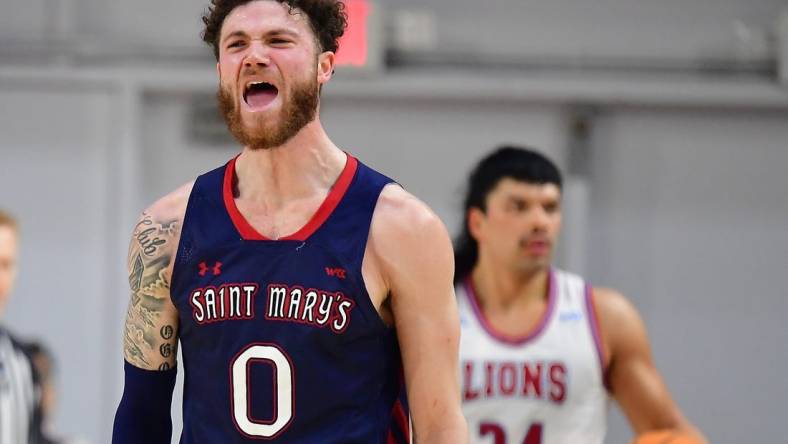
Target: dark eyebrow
x,y
515,199
284,31
278,31
234,34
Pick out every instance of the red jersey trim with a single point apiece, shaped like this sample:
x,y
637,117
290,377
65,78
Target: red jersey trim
x,y
502,337
593,322
400,417
328,206
402,422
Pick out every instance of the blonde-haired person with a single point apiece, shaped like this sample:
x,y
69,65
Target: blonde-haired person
x,y
17,393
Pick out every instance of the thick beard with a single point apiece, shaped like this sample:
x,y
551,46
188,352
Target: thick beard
x,y
296,114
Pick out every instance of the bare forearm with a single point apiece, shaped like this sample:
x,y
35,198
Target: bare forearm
x,y
449,431
434,396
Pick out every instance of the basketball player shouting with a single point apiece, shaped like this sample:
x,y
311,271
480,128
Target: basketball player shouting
x,y
304,287
542,351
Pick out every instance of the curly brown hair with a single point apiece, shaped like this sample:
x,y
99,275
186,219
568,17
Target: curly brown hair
x,y
326,17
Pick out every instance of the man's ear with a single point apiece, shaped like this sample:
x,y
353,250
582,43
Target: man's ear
x,y
326,62
475,220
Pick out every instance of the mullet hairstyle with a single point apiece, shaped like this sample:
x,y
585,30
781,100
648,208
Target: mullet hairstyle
x,y
521,164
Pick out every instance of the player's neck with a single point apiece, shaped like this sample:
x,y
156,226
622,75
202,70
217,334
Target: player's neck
x,y
499,287
306,165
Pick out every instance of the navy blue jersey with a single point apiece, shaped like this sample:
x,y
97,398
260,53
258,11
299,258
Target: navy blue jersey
x,y
280,339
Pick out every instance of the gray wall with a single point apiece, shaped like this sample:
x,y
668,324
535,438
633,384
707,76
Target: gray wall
x,y
667,31
680,30
54,176
690,220
681,205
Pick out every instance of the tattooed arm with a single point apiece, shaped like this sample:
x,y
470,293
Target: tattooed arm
x,y
151,332
150,340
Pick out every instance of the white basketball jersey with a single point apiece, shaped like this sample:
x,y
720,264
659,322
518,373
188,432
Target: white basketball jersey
x,y
544,388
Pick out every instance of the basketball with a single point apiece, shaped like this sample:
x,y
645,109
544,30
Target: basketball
x,y
665,437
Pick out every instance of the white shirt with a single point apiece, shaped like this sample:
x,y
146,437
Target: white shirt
x,y
17,393
544,388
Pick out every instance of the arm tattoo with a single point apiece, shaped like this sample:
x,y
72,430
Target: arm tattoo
x,y
167,331
147,332
147,233
166,350
135,278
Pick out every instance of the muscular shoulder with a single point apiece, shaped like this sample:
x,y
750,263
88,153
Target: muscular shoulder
x,y
166,214
171,207
405,232
620,323
399,213
613,305
157,231
403,222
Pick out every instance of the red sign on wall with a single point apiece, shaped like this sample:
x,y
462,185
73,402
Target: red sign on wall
x,y
353,46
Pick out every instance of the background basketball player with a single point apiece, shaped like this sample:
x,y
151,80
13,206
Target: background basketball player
x,y
541,351
294,276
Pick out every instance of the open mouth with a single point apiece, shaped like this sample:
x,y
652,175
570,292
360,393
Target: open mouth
x,y
258,95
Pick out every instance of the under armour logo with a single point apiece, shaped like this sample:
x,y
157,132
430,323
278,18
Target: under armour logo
x,y
216,270
336,272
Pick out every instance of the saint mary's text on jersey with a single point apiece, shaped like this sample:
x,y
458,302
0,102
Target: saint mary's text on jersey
x,y
231,302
